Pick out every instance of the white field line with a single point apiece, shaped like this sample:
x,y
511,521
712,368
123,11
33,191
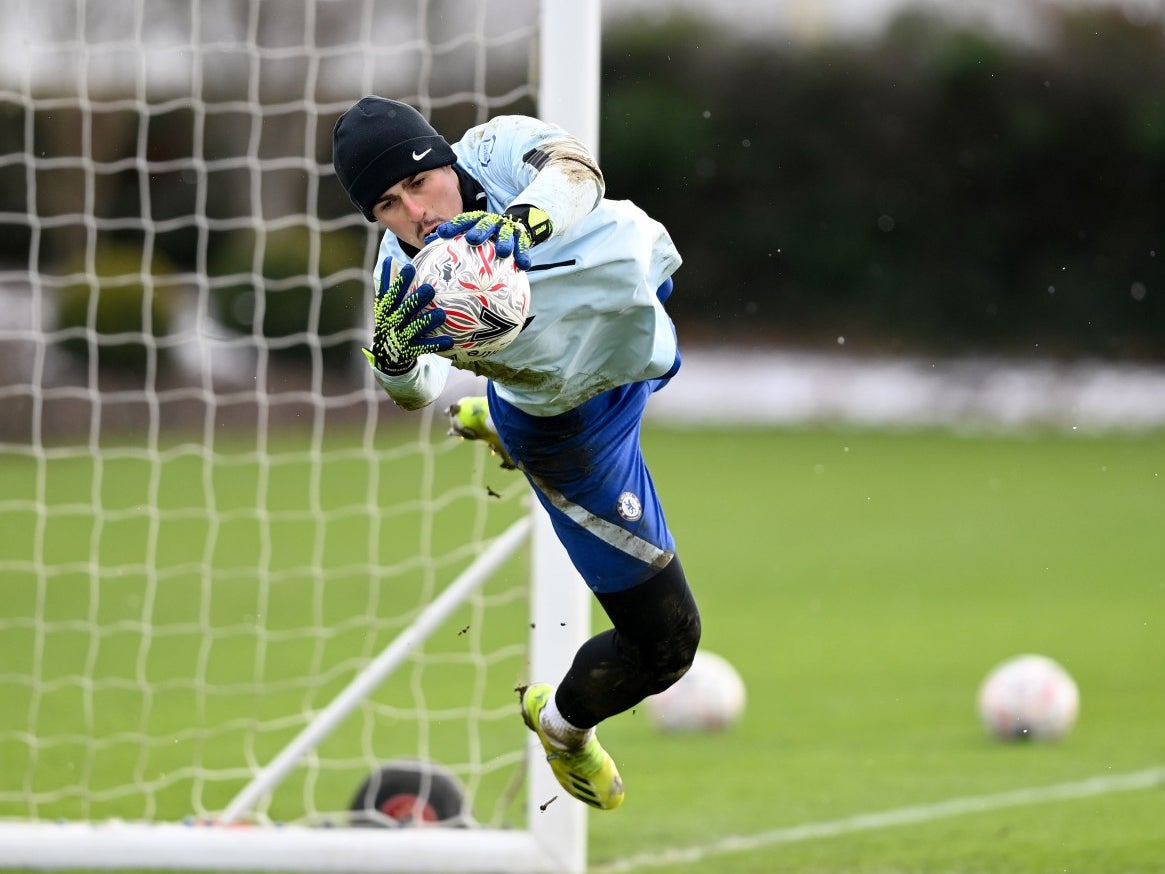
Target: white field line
x,y
1147,779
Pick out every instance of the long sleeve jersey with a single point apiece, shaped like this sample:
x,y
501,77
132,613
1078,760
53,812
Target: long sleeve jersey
x,y
597,322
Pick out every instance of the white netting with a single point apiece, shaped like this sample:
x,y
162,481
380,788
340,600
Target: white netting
x,y
210,519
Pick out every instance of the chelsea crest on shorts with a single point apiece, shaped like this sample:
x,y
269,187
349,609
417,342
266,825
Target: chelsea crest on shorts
x,y
628,506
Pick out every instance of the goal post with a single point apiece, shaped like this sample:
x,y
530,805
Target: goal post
x,y
240,583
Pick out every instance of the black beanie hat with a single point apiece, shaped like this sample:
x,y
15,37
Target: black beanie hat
x,y
379,142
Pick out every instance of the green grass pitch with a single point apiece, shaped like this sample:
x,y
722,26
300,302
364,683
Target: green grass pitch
x,y
863,582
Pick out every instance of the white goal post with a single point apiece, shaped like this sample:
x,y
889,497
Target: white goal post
x,y
237,580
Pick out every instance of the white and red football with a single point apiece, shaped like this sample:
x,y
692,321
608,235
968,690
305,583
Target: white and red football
x,y
485,298
1029,696
709,697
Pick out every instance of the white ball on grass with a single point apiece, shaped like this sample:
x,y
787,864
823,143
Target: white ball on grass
x,y
1028,696
709,697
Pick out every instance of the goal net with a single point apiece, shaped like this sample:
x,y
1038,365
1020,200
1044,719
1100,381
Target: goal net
x,y
253,615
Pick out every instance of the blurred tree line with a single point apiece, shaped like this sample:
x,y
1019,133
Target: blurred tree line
x,y
934,190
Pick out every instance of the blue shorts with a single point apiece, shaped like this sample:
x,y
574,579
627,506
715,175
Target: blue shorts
x,y
587,468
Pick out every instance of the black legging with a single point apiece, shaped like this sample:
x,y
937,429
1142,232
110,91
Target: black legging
x,y
652,644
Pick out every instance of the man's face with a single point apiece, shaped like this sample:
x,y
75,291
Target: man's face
x,y
414,207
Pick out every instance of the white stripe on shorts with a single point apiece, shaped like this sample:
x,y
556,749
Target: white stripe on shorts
x,y
608,532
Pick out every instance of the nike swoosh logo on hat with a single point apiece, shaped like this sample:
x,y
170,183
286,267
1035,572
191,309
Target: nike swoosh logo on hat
x,y
417,157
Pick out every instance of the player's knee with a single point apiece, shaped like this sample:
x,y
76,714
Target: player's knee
x,y
665,655
669,656
658,628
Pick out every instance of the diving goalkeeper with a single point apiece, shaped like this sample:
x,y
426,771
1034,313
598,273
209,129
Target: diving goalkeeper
x,y
564,402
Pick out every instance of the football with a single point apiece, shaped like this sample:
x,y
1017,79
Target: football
x,y
485,298
709,697
1028,697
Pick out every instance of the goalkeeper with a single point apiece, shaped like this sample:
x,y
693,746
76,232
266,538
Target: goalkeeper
x,y
564,401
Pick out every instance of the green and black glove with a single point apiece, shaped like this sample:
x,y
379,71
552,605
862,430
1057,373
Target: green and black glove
x,y
515,231
402,329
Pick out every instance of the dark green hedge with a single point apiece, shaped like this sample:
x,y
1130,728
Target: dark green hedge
x,y
932,190
113,314
298,299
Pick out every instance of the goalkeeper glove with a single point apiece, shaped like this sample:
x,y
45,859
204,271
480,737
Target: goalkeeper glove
x,y
515,231
401,326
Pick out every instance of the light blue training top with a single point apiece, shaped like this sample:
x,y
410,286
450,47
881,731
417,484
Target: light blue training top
x,y
597,321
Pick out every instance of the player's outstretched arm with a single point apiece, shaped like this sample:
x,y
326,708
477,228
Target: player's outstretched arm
x,y
403,323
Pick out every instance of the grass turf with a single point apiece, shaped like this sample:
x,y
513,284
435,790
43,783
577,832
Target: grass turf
x,y
862,582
